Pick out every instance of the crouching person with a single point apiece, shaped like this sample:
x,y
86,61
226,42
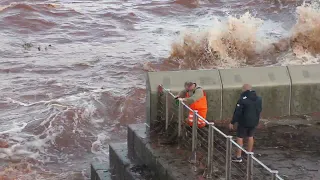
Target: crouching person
x,y
196,99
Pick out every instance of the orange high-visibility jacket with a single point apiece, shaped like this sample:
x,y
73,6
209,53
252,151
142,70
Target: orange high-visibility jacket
x,y
202,107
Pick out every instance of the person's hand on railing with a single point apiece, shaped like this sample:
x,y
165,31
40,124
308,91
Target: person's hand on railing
x,y
182,99
231,126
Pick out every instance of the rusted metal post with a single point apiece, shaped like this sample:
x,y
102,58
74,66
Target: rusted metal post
x,y
194,136
249,166
210,152
274,175
228,157
180,118
167,109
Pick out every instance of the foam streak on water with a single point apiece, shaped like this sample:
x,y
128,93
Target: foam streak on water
x,y
72,72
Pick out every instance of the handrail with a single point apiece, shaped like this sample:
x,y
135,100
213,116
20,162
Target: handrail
x,y
263,165
278,177
219,131
242,149
275,173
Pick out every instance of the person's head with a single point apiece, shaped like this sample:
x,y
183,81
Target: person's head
x,y
189,86
246,87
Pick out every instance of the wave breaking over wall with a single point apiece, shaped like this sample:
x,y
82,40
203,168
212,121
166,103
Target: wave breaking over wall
x,y
220,45
306,32
237,42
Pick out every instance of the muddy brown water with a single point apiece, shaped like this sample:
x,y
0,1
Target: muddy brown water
x,y
72,72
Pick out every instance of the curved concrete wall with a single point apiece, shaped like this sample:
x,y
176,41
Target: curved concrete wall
x,y
174,80
272,83
305,89
285,90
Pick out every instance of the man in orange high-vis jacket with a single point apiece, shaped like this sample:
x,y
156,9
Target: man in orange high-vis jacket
x,y
196,98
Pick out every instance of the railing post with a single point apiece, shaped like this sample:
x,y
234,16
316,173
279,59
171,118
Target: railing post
x,y
274,175
210,152
180,118
194,136
167,109
228,157
249,166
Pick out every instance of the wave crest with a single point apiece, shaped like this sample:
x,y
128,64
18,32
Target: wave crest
x,y
234,39
306,32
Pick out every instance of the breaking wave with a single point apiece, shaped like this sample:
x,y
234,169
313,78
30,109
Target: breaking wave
x,y
219,46
306,32
238,41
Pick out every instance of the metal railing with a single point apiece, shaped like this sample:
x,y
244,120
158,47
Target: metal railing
x,y
211,147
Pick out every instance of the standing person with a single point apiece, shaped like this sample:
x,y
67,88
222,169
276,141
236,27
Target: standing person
x,y
196,98
247,115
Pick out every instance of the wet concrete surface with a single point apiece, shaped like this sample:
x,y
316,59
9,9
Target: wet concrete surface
x,y
290,145
169,162
292,149
123,167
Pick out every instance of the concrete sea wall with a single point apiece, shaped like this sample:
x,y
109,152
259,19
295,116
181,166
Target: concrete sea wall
x,y
286,90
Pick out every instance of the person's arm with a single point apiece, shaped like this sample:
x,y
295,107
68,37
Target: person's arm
x,y
181,94
237,112
198,93
259,106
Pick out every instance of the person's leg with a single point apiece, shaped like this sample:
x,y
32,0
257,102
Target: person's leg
x,y
250,144
250,139
240,135
240,142
201,123
189,119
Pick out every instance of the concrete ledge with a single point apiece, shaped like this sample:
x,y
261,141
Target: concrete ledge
x,y
174,80
160,159
286,90
100,171
271,83
305,89
118,160
122,168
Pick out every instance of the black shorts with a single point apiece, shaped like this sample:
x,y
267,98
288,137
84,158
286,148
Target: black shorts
x,y
243,132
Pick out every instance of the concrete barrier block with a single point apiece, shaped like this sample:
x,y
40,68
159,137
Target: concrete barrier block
x,y
128,175
146,153
118,160
305,89
100,171
140,130
174,80
162,167
151,156
271,83
139,140
103,175
138,145
130,140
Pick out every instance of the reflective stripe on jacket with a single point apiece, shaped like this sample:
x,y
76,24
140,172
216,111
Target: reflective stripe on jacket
x,y
201,106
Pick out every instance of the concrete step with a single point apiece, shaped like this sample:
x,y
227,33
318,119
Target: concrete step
x,y
100,171
169,163
122,168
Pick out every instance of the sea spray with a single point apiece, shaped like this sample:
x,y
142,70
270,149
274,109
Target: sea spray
x,y
305,37
230,43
